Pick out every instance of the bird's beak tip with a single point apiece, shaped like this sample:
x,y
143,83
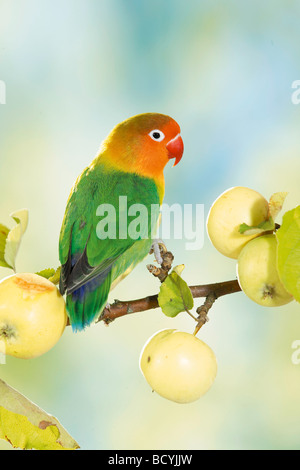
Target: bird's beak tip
x,y
175,149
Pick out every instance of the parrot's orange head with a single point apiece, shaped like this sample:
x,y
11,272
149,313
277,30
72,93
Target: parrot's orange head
x,y
143,144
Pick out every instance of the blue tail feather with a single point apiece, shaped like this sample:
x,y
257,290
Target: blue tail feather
x,y
85,304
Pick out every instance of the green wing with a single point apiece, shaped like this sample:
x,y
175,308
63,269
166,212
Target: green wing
x,y
103,233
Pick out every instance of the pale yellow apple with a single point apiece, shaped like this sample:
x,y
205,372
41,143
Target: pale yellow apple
x,y
232,208
178,365
257,272
32,315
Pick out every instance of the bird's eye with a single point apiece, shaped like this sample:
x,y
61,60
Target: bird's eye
x,y
157,135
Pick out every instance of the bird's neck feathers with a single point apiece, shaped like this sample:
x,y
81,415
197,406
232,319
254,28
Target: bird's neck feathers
x,y
115,156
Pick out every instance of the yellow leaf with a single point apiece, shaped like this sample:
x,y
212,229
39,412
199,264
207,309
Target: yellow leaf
x,y
27,426
19,431
178,269
275,203
4,231
14,237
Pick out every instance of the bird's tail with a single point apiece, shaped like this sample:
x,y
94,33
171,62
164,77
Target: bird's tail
x,y
86,303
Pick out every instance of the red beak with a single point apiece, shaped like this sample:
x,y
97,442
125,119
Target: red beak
x,y
175,148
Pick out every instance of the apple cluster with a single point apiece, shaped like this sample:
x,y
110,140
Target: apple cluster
x,y
256,253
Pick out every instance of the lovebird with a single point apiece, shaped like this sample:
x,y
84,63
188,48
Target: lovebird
x,y
112,212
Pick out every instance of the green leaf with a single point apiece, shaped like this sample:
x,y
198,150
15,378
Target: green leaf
x,y
264,226
175,295
27,426
288,252
51,274
48,272
13,238
4,231
56,276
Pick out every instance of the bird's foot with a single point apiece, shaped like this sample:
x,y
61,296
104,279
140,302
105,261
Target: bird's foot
x,y
159,249
163,257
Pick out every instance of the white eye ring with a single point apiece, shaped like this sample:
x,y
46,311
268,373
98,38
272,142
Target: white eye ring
x,y
157,135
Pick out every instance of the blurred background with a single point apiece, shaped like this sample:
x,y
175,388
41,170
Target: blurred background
x,y
224,71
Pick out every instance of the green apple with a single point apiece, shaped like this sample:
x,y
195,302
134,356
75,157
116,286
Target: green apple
x,y
232,208
257,272
32,315
178,365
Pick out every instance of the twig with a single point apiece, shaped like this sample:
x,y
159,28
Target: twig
x,y
210,291
119,308
203,311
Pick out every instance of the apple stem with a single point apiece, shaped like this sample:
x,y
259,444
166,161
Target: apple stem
x,y
203,310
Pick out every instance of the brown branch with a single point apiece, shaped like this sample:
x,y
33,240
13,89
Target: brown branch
x,y
122,308
210,291
219,288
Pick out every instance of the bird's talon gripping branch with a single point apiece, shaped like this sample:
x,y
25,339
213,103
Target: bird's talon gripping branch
x,y
158,248
157,272
168,258
165,265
